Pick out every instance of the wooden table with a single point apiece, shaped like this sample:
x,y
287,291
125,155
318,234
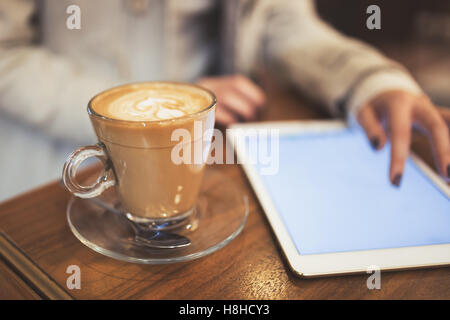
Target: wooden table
x,y
251,267
12,286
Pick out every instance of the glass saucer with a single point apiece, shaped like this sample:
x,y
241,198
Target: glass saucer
x,y
220,215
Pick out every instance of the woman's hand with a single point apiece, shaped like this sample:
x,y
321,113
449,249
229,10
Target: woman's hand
x,y
238,98
398,111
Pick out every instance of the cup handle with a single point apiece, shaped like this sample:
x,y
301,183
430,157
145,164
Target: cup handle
x,y
104,181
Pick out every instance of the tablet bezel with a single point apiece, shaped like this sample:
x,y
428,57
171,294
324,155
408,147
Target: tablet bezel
x,y
315,265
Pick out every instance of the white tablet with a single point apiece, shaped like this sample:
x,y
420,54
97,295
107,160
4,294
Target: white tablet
x,y
330,202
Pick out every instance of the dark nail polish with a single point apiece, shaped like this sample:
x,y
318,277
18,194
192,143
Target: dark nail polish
x,y
448,171
396,180
375,142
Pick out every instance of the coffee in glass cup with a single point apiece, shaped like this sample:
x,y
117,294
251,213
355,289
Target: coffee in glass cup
x,y
134,124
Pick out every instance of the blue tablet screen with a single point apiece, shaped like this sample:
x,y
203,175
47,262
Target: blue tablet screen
x,y
333,194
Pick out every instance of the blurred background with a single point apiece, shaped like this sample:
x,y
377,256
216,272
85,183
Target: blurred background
x,y
40,128
413,32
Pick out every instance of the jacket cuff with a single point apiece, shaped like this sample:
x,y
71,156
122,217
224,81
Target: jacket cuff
x,y
377,83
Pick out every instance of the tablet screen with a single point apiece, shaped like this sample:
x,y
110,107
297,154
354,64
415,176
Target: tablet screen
x,y
333,194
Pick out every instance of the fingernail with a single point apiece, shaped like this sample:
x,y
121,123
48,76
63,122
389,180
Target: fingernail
x,y
448,171
375,142
396,180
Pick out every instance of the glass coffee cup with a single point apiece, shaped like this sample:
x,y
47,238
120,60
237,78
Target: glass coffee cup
x,y
143,130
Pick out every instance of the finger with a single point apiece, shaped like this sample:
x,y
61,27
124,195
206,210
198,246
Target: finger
x,y
224,117
431,120
399,120
367,118
249,90
241,107
445,113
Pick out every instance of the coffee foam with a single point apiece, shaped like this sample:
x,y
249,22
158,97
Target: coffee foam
x,y
151,101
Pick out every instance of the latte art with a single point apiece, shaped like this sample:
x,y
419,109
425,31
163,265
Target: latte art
x,y
151,102
146,105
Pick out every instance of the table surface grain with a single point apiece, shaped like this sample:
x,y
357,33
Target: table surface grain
x,y
252,266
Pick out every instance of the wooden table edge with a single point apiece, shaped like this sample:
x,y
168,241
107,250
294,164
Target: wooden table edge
x,y
38,280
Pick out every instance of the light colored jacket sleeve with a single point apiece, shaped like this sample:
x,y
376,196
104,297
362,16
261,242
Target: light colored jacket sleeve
x,y
39,88
290,39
